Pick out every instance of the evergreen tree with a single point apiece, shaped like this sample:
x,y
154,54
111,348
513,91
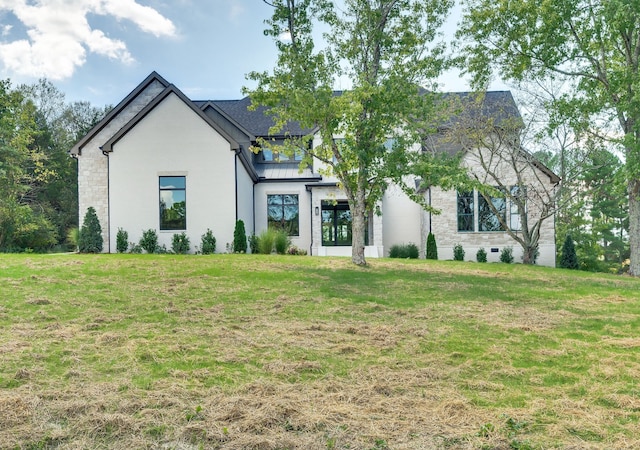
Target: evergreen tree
x,y
432,249
239,238
90,239
569,258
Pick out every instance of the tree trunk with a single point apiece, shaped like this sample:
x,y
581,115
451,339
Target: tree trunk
x,y
358,224
529,255
634,227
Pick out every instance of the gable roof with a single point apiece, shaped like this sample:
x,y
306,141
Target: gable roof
x,y
153,77
171,89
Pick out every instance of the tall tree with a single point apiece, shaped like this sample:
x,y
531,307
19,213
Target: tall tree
x,y
595,45
387,49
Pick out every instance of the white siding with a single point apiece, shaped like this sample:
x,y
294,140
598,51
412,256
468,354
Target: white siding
x,y
172,140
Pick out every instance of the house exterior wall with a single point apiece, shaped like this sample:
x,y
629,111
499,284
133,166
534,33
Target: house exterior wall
x,y
262,190
402,218
93,189
187,146
244,192
445,225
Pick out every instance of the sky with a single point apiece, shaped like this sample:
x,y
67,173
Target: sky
x,y
100,50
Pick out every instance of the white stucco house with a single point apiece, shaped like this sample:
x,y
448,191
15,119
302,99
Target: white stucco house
x,y
162,161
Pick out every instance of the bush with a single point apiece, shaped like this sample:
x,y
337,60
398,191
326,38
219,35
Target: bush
x,y
506,255
208,243
481,255
404,251
458,252
432,249
122,241
239,238
253,243
134,248
569,258
180,243
266,240
149,241
281,242
293,250
73,235
90,236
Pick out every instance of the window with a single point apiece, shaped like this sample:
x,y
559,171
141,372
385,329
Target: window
x,y
173,203
283,213
487,219
268,155
520,193
465,211
336,224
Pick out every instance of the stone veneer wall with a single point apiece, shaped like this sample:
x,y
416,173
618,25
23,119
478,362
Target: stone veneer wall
x,y
93,165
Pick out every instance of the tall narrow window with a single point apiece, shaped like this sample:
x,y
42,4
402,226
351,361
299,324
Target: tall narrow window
x,y
173,203
518,193
336,225
465,211
487,219
283,213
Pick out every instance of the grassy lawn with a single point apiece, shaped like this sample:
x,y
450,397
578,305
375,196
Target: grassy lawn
x,y
241,352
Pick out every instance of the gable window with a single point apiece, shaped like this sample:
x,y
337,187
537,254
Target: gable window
x,y
173,203
336,224
487,219
283,213
466,217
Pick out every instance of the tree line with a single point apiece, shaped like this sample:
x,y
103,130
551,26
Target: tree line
x,y
38,178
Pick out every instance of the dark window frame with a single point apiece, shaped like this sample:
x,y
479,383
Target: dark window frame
x,y
280,222
165,223
466,217
333,213
488,221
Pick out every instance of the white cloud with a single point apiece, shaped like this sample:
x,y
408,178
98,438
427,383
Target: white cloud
x,y
59,34
6,29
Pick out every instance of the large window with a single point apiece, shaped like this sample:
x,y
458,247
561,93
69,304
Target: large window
x,y
268,155
465,211
173,203
336,224
488,220
283,213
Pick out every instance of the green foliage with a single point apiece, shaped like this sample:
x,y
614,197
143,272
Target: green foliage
x,y
481,255
432,248
253,243
506,255
293,250
382,115
208,243
266,241
73,235
458,252
180,243
122,241
149,241
281,242
408,251
569,258
239,238
90,237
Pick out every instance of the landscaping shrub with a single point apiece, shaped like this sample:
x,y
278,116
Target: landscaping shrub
x,y
404,251
180,243
569,259
149,241
90,236
122,241
432,249
458,252
253,243
281,242
239,238
73,235
481,255
293,250
208,243
506,255
266,240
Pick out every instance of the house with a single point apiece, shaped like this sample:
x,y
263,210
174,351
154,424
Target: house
x,y
162,161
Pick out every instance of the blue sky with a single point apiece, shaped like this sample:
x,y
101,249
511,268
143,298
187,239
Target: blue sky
x,y
99,50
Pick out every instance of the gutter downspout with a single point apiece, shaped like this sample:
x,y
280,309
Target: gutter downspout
x,y
106,154
235,170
